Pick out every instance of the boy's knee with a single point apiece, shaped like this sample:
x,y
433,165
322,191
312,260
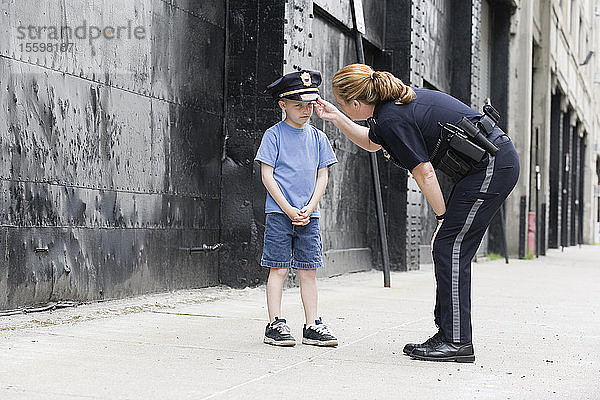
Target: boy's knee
x,y
280,273
307,273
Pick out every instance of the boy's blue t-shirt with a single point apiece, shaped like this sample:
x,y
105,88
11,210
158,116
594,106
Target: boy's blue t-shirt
x,y
295,154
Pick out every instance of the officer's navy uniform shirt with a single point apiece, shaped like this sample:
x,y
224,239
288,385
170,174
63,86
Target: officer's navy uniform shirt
x,y
295,154
410,132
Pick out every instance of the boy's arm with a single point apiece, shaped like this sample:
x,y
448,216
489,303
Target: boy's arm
x,y
266,172
321,184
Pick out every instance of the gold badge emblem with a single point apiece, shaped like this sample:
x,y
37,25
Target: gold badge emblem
x,y
306,81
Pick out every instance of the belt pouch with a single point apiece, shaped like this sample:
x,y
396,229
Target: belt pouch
x,y
454,166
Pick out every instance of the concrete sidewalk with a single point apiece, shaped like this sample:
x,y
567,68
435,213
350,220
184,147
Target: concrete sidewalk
x,y
536,336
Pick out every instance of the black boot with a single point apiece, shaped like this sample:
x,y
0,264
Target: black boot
x,y
445,351
409,347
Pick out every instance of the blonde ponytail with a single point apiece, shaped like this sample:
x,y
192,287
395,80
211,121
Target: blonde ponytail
x,y
361,82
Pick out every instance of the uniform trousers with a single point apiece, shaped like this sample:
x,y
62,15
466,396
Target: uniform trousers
x,y
474,201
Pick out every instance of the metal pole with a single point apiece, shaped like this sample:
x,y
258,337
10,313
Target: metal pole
x,y
374,167
537,193
523,227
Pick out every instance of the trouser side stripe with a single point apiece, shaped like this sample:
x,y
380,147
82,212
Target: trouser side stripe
x,y
489,172
456,271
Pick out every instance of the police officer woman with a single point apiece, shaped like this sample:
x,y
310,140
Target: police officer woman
x,y
407,123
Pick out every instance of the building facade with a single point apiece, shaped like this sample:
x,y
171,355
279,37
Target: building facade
x,y
553,102
127,154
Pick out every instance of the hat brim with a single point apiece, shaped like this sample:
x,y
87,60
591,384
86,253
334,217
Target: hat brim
x,y
302,96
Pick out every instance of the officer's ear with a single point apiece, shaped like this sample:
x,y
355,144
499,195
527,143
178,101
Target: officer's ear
x,y
356,104
281,104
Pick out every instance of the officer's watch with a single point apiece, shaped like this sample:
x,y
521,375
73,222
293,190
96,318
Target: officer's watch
x,y
440,217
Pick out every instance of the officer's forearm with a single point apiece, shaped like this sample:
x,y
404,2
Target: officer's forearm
x,y
358,134
426,178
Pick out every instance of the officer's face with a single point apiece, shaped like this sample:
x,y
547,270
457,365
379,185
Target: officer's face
x,y
355,110
297,112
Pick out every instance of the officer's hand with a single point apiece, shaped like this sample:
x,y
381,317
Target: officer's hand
x,y
325,110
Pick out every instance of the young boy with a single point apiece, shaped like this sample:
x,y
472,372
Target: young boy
x,y
294,158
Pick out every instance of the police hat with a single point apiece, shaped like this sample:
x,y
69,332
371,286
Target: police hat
x,y
301,86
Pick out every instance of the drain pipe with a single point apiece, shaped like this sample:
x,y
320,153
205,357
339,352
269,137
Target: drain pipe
x,y
359,29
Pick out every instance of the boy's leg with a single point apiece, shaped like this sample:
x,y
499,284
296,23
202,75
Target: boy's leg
x,y
277,332
277,255
308,256
274,289
309,294
308,251
315,332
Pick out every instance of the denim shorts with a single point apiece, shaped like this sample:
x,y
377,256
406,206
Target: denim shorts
x,y
291,246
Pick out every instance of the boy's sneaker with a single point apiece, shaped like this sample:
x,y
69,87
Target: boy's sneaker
x,y
318,334
277,333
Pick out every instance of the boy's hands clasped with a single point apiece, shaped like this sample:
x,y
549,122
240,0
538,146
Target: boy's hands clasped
x,y
300,217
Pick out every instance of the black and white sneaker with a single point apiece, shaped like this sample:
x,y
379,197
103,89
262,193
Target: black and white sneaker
x,y
318,334
277,333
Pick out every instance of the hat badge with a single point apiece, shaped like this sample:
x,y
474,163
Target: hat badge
x,y
306,80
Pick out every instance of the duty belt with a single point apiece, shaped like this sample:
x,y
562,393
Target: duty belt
x,y
466,142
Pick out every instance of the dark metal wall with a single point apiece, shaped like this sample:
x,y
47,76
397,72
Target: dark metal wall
x,y
501,11
442,39
556,161
254,59
110,154
565,210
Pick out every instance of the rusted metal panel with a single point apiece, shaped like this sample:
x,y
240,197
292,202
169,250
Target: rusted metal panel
x,y
338,9
298,36
53,205
50,264
432,40
375,15
373,11
110,154
173,31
